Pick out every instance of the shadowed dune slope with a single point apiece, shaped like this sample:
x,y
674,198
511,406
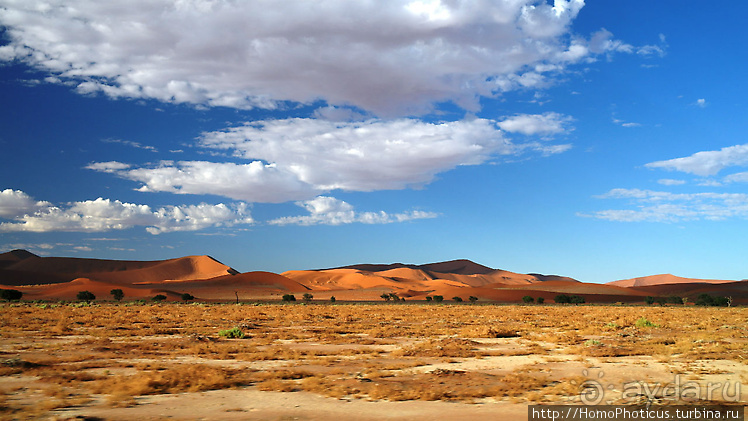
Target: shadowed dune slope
x,y
663,279
736,289
461,267
247,280
44,270
69,290
14,256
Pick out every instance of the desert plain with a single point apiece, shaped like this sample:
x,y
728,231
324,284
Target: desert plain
x,y
238,351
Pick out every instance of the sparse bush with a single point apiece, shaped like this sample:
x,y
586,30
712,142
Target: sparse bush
x,y
10,294
429,298
577,299
527,299
457,299
158,298
562,299
233,333
708,300
307,296
438,298
674,299
649,300
473,299
385,296
289,297
118,294
187,297
332,299
540,300
85,296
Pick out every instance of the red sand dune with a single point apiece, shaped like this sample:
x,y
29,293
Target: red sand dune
x,y
662,279
32,269
69,290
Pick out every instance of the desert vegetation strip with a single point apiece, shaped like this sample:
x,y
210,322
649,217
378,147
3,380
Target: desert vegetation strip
x,y
107,355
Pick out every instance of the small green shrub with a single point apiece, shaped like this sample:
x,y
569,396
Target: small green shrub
x,y
643,322
540,300
332,299
438,298
457,299
527,299
473,299
429,298
187,297
158,298
233,333
289,297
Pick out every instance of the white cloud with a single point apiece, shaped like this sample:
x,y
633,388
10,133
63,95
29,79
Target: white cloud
x,y
657,206
701,102
109,166
131,144
324,210
740,177
392,58
671,182
253,182
105,215
537,124
15,202
706,163
298,159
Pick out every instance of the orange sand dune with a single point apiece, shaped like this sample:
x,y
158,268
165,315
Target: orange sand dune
x,y
254,285
662,279
347,279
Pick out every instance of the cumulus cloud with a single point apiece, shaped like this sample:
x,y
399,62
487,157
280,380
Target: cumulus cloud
x,y
324,210
16,202
106,215
391,58
706,163
299,159
658,206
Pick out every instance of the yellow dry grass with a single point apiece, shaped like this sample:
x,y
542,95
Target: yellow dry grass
x,y
378,352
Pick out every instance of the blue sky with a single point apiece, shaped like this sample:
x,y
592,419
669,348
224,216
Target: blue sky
x,y
600,141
